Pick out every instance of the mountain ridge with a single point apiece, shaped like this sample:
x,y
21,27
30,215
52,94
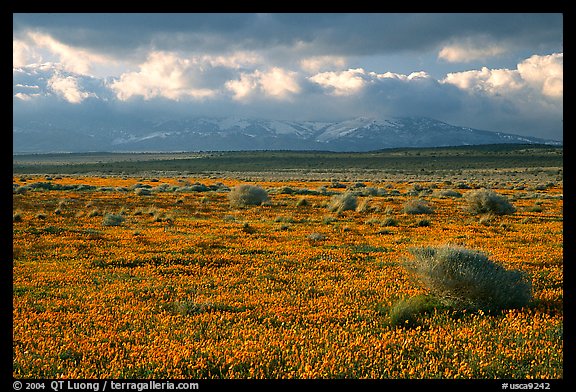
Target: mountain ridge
x,y
203,133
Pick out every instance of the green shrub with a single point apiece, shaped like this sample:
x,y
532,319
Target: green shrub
x,y
468,279
112,220
389,221
407,311
482,201
343,202
142,191
417,206
302,202
316,237
535,208
246,195
94,213
443,193
423,223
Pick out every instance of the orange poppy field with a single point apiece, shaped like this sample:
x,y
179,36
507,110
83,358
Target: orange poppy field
x,y
162,277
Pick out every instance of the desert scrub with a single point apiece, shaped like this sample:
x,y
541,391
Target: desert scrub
x,y
389,221
302,202
417,206
316,237
112,220
442,193
247,195
468,279
364,206
483,201
343,202
142,191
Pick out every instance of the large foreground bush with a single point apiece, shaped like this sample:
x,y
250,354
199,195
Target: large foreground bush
x,y
468,279
247,195
484,201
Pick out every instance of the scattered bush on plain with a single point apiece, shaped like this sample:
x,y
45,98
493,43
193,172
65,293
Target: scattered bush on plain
x,y
343,202
244,195
112,220
417,206
484,201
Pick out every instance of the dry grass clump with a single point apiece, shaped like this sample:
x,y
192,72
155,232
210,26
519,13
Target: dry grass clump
x,y
417,206
343,202
244,195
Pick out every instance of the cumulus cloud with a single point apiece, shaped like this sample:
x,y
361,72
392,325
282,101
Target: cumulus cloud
x,y
353,81
545,73
277,83
393,75
542,75
492,81
243,87
341,83
164,74
67,87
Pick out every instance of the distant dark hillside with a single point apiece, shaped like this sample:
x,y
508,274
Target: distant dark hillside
x,y
408,159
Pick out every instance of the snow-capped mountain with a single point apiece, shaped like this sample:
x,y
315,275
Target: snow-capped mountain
x,y
229,133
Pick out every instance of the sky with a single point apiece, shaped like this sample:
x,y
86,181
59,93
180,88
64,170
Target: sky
x,y
496,71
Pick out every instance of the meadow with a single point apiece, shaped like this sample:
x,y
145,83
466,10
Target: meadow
x,y
161,276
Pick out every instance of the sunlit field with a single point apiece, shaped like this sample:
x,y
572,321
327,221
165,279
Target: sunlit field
x,y
162,277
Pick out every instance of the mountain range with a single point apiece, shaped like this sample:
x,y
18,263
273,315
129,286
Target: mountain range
x,y
232,134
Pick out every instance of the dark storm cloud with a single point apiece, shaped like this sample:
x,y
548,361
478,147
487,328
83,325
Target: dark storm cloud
x,y
343,34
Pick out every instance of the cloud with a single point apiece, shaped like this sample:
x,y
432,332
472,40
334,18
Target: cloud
x,y
234,60
538,75
315,64
341,83
301,34
470,51
277,83
545,73
244,86
23,54
73,59
164,74
353,81
26,97
491,81
67,87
